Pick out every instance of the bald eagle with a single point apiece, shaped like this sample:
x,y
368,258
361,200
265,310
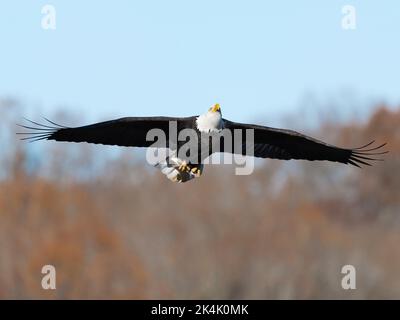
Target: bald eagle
x,y
209,130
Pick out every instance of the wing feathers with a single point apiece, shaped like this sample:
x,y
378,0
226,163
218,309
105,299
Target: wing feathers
x,y
268,142
287,144
128,132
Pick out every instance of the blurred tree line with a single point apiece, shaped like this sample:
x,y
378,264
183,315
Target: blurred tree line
x,y
116,228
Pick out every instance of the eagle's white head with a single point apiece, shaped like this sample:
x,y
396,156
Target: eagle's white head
x,y
211,121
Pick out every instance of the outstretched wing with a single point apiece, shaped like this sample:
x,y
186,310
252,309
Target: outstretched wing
x,y
128,132
287,144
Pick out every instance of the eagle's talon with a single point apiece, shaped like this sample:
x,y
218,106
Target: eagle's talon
x,y
177,178
196,171
184,167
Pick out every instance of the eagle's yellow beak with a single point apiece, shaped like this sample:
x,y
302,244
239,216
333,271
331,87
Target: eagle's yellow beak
x,y
215,108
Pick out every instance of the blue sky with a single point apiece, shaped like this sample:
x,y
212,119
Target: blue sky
x,y
256,58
